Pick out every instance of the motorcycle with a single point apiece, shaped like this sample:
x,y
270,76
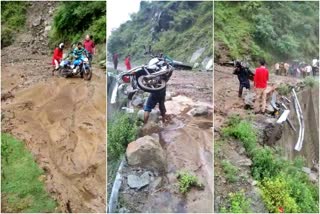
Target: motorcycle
x,y
84,69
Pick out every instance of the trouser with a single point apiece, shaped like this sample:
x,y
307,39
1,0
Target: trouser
x,y
241,86
260,101
56,62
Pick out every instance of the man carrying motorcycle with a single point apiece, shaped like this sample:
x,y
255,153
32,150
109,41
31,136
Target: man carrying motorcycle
x,y
78,53
155,98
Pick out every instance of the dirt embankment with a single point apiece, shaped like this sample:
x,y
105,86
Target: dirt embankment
x,y
62,121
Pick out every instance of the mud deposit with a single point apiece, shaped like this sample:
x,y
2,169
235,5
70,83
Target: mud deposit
x,y
62,122
187,142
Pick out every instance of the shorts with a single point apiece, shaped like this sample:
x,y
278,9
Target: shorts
x,y
154,99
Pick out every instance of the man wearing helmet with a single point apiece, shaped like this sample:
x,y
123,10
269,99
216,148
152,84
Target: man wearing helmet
x,y
244,74
57,57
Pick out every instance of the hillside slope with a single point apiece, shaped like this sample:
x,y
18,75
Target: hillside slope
x,y
273,30
177,29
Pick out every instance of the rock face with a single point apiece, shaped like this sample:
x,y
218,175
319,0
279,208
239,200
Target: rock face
x,y
147,152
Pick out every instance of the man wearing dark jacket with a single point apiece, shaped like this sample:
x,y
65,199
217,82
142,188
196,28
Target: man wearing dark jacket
x,y
244,74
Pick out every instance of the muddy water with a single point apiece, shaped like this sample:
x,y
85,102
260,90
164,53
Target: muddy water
x,y
309,102
62,122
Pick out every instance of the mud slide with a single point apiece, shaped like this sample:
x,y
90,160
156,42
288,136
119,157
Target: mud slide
x,y
62,122
188,144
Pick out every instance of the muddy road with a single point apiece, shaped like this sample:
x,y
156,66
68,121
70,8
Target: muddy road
x,y
62,122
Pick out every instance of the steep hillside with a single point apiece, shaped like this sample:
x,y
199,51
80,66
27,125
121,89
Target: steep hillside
x,y
273,30
177,29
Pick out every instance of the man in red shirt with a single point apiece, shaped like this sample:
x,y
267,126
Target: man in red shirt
x,y
88,44
127,62
261,78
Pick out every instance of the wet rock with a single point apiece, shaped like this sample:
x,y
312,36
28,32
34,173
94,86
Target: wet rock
x,y
249,99
168,96
156,184
196,65
196,55
150,128
6,95
244,162
37,22
124,210
209,66
137,101
147,153
272,133
199,111
138,182
269,109
153,117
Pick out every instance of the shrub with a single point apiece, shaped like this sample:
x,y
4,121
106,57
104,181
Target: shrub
x,y
283,89
276,195
187,181
237,203
265,164
122,129
311,81
242,130
230,171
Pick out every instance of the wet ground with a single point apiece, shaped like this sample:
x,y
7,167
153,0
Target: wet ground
x,y
62,122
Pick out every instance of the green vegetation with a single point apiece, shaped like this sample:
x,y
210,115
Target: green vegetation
x,y
311,81
21,186
122,129
184,28
238,203
276,31
283,184
13,18
187,181
230,171
74,19
283,89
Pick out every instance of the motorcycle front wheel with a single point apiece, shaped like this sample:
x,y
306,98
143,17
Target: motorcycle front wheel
x,y
87,74
151,84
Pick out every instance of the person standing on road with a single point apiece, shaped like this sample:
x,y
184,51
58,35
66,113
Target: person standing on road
x,y
261,78
127,62
243,74
115,59
89,45
57,57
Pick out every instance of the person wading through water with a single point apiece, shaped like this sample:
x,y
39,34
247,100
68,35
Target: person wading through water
x,y
244,74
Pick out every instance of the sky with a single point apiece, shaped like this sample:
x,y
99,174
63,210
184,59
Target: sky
x,y
118,12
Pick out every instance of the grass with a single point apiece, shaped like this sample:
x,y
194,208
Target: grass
x,y
230,171
283,89
21,186
122,129
187,181
284,186
238,203
311,81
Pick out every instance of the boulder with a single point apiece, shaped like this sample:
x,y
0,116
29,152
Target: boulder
x,y
147,153
137,101
269,109
150,128
199,111
209,66
249,99
138,182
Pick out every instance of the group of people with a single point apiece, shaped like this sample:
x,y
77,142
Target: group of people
x,y
297,69
260,79
78,51
127,62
